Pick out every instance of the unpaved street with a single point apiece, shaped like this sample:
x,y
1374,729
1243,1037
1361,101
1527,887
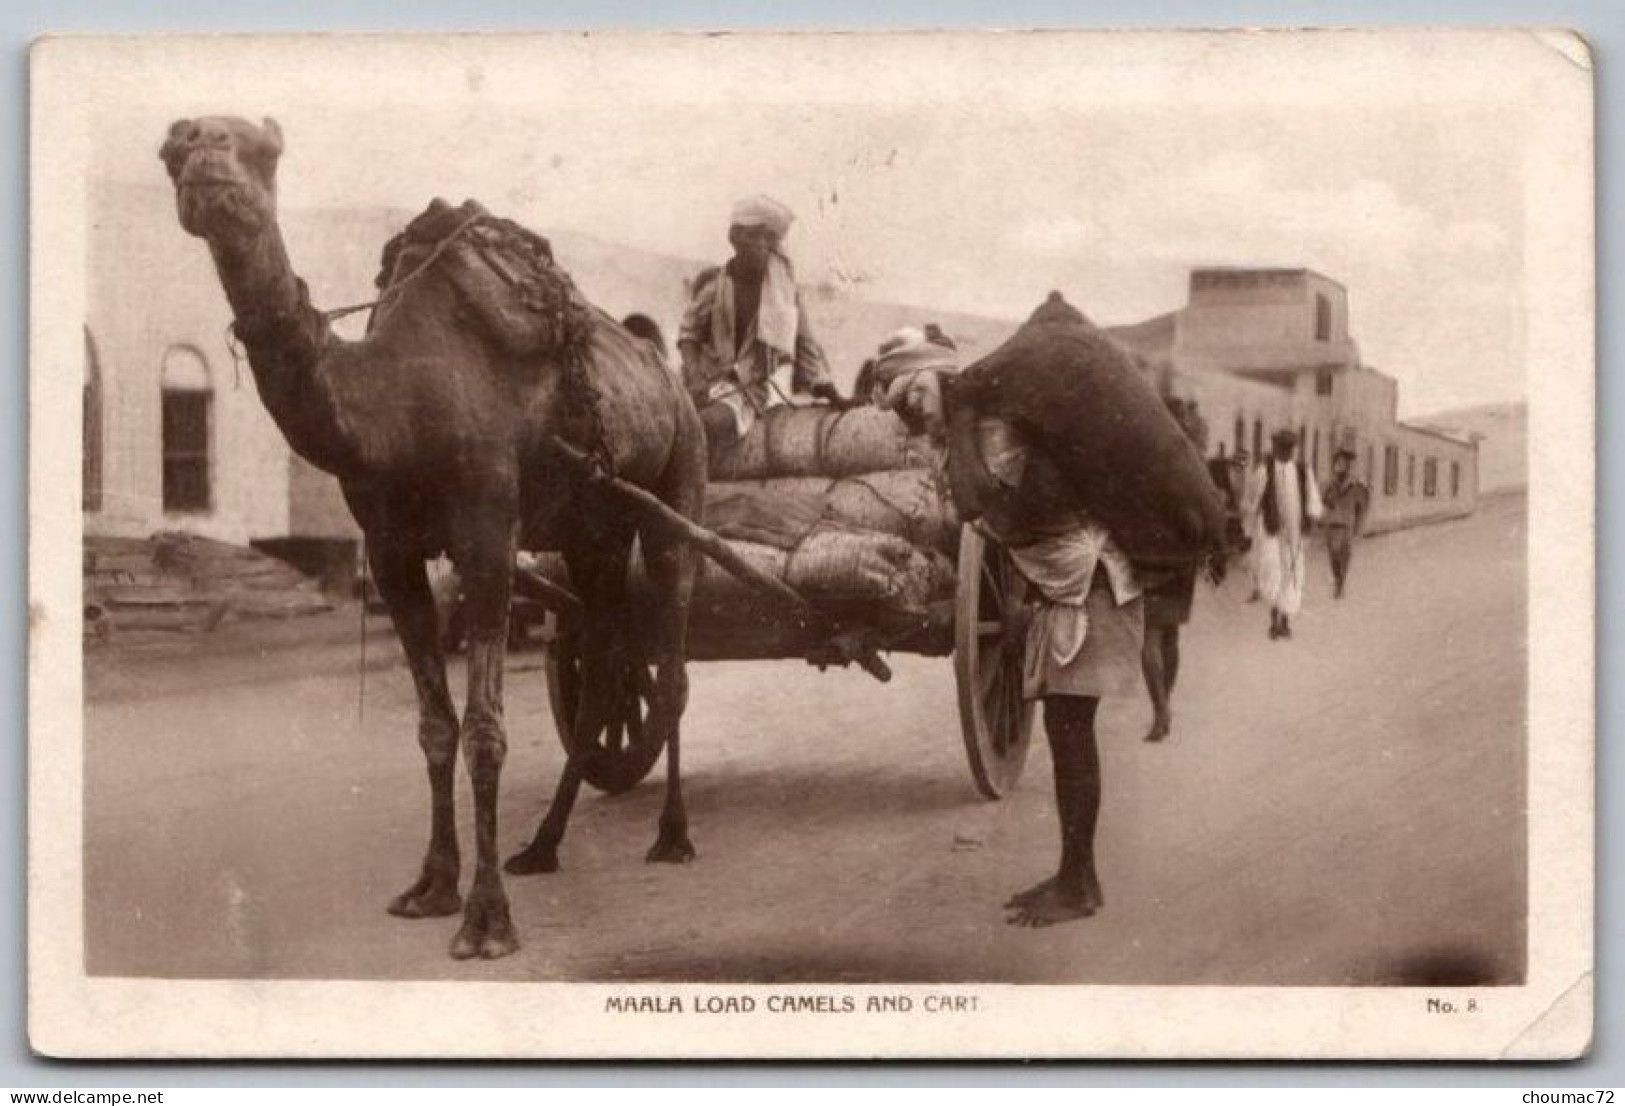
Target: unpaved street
x,y
1345,807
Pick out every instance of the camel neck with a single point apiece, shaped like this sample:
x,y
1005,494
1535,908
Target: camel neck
x,y
288,341
259,280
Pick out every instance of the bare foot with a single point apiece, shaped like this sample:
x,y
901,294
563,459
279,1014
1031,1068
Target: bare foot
x,y
1160,728
1022,898
1092,894
1050,906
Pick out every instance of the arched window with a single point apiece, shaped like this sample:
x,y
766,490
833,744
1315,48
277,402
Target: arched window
x,y
90,494
187,399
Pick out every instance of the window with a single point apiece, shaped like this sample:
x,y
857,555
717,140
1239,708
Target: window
x,y
1410,474
1390,469
1323,382
187,398
1323,318
1314,454
1258,438
1303,441
1370,465
1430,477
1455,479
1241,434
90,494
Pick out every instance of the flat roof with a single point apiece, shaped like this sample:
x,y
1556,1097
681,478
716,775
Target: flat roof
x,y
1257,270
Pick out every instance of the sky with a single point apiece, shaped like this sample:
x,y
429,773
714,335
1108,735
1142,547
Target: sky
x,y
966,175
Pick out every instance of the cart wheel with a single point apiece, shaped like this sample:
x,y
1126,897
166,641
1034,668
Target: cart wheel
x,y
989,648
619,756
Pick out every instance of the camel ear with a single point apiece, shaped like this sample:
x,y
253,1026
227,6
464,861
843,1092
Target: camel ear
x,y
273,134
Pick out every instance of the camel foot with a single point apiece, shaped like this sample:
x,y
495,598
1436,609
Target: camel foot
x,y
533,860
427,898
671,848
1053,904
487,932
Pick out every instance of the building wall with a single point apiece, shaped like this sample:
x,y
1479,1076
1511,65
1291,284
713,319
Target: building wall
x,y
1241,319
1264,322
152,289
1407,499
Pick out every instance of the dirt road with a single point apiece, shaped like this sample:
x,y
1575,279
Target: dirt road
x,y
1345,807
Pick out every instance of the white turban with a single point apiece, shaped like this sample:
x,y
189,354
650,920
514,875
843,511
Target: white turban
x,y
763,211
905,354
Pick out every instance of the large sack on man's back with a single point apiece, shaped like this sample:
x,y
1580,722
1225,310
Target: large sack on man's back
x,y
1074,394
821,441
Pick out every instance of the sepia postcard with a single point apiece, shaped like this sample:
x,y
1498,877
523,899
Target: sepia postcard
x,y
812,545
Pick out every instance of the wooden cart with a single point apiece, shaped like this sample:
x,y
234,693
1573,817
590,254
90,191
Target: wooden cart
x,y
982,628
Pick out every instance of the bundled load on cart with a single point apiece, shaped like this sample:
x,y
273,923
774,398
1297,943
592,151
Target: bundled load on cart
x,y
850,516
849,510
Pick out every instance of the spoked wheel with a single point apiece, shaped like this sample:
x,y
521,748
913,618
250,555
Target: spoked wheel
x,y
622,753
989,653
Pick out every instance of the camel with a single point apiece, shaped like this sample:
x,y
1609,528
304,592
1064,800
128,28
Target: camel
x,y
440,425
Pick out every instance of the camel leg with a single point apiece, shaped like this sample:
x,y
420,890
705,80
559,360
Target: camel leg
x,y
485,560
600,578
404,585
671,576
542,854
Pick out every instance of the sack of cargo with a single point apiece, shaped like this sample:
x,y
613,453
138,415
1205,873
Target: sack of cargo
x,y
843,573
775,513
912,504
1118,451
821,441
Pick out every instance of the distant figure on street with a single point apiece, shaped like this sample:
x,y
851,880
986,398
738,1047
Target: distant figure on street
x,y
745,341
1288,505
1347,501
1229,474
1252,493
1169,594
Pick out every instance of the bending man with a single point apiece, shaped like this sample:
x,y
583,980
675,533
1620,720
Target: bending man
x,y
1084,638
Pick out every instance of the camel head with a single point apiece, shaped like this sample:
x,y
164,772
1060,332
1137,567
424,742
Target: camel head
x,y
224,171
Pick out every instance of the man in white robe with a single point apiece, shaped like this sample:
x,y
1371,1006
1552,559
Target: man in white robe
x,y
1288,503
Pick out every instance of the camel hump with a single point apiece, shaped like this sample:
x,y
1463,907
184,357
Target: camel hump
x,y
505,272
441,219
